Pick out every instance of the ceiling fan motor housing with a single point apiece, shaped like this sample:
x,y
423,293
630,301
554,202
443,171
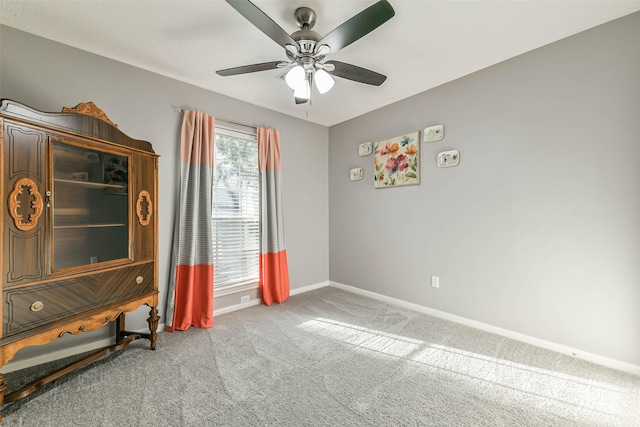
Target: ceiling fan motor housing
x,y
306,39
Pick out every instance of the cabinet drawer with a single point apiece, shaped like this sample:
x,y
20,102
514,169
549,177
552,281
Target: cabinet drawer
x,y
30,307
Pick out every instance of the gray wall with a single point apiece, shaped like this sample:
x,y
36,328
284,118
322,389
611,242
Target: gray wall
x,y
48,75
538,229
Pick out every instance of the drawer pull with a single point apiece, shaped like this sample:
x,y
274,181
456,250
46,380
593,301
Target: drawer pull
x,y
37,306
139,279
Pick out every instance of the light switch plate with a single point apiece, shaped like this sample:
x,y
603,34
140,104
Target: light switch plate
x,y
446,159
365,148
356,174
433,133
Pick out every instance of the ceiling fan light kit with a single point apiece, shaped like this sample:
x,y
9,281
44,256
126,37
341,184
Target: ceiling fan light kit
x,y
295,77
323,81
302,93
306,50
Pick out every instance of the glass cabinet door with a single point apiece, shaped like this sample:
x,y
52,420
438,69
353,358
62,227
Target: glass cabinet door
x,y
90,206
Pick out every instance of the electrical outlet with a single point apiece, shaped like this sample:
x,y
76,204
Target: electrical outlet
x,y
435,281
245,298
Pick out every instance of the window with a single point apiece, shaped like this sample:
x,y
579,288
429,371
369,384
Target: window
x,y
236,224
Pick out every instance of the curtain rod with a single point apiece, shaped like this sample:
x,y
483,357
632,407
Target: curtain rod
x,y
182,110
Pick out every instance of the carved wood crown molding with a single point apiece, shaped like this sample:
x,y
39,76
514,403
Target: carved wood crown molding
x,y
89,109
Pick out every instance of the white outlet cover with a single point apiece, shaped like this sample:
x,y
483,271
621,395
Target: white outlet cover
x,y
447,159
433,133
435,281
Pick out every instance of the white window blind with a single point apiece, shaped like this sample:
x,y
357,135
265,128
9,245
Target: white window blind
x,y
235,216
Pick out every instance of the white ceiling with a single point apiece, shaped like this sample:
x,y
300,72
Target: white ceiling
x,y
426,44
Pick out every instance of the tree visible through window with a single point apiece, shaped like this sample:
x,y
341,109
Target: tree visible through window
x,y
235,209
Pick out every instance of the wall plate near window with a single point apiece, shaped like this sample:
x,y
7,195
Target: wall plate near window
x,y
447,159
356,174
365,148
433,133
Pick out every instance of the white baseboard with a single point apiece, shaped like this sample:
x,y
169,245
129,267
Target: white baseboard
x,y
308,288
255,302
235,307
594,358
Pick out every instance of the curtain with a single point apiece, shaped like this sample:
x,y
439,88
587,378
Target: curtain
x,y
274,273
190,299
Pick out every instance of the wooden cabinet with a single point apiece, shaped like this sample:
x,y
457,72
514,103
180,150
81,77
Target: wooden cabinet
x,y
79,229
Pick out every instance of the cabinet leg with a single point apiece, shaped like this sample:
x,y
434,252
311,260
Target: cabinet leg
x,y
120,331
153,326
3,388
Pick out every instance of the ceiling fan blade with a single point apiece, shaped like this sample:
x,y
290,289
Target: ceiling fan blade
x,y
262,21
355,73
249,68
358,26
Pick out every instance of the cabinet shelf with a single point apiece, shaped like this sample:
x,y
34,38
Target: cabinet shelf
x,y
87,184
88,226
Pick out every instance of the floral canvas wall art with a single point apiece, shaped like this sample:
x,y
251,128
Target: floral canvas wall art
x,y
397,161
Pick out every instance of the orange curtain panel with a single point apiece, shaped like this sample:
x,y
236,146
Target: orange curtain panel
x,y
274,273
190,299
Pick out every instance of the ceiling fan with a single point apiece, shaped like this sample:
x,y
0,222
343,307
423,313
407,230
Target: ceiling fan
x,y
307,50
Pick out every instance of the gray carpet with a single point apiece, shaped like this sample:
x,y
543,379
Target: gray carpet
x,y
332,358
